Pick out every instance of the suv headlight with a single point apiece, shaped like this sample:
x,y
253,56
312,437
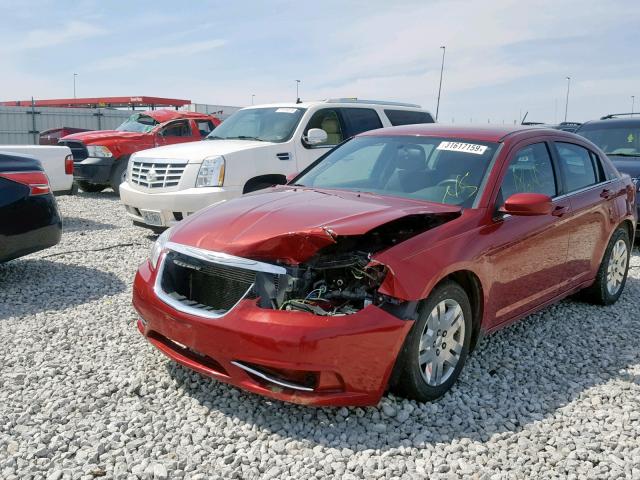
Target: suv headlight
x,y
158,247
211,173
99,151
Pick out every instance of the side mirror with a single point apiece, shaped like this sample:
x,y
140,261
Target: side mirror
x,y
527,204
316,136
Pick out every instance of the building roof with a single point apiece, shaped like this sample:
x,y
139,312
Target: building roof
x,y
93,102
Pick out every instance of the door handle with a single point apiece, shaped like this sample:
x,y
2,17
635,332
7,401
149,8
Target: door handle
x,y
606,194
559,210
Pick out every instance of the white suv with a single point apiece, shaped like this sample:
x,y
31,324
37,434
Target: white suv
x,y
254,148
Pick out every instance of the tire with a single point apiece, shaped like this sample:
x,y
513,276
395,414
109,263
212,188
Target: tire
x,y
417,378
612,274
90,187
119,174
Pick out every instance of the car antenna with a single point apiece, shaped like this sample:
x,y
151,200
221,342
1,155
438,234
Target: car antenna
x,y
524,118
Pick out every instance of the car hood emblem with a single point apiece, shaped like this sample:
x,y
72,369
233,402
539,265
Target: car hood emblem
x,y
152,176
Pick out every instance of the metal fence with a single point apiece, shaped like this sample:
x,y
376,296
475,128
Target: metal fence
x,y
22,125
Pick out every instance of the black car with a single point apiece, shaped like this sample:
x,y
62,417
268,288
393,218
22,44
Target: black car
x,y
29,218
619,136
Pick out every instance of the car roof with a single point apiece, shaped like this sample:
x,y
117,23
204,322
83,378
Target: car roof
x,y
488,133
341,103
612,123
163,115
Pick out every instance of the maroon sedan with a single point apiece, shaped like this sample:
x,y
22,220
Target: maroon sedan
x,y
382,263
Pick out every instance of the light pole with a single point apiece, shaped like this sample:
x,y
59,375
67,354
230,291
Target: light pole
x,y
633,103
252,97
74,84
566,105
444,49
297,91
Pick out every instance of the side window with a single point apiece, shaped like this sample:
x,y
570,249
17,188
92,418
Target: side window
x,y
530,171
360,120
177,129
205,127
407,117
577,166
328,120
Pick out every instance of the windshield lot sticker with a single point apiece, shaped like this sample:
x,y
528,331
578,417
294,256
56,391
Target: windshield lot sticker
x,y
462,147
286,110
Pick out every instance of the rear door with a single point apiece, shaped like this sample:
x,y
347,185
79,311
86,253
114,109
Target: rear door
x,y
528,258
592,196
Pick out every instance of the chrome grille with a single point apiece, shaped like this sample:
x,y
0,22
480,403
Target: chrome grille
x,y
156,174
207,284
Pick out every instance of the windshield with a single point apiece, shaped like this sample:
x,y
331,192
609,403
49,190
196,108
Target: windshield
x,y
614,140
266,124
138,122
442,170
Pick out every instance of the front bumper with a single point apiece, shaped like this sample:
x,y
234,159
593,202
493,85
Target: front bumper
x,y
93,170
351,357
175,205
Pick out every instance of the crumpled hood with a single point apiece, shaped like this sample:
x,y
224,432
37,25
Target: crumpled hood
x,y
291,224
196,151
89,138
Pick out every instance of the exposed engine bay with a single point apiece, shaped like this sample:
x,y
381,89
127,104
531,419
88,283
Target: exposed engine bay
x,y
342,278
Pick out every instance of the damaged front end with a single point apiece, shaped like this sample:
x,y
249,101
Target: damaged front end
x,y
343,277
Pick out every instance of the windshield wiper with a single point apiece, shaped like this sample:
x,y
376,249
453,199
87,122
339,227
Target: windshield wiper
x,y
213,137
623,154
244,137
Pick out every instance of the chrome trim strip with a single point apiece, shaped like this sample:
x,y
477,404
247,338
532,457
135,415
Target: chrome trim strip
x,y
585,189
213,257
282,383
226,259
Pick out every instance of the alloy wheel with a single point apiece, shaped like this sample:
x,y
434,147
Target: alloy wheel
x,y
441,342
617,267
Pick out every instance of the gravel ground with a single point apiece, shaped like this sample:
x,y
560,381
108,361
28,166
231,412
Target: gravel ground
x,y
82,395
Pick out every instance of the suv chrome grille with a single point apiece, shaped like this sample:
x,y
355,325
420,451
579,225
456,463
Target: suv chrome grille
x,y
207,284
156,174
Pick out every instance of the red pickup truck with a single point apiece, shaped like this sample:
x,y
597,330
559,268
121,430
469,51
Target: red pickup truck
x,y
100,157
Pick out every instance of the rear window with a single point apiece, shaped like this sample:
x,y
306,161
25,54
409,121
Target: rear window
x,y
360,120
407,117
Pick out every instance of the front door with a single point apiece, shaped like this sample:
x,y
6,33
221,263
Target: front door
x,y
329,120
178,131
527,261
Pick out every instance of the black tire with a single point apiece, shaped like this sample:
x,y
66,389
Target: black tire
x,y
599,293
90,187
119,174
409,380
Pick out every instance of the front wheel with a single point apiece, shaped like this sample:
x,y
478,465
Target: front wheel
x,y
90,187
119,174
612,274
437,346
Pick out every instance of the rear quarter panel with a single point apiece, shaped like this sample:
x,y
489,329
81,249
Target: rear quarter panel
x,y
52,160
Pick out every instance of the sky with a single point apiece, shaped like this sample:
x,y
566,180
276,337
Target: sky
x,y
503,57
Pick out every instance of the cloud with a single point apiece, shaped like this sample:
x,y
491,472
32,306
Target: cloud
x,y
166,53
50,37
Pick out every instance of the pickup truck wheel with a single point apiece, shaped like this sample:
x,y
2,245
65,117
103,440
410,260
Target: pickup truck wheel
x,y
119,174
90,187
